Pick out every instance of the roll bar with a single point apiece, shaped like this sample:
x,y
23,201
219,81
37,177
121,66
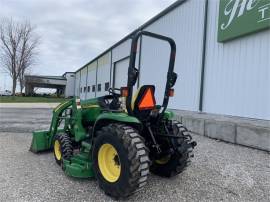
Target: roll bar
x,y
133,72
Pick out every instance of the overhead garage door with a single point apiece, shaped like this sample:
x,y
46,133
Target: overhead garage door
x,y
120,73
103,75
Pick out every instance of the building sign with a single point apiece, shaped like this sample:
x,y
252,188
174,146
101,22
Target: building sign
x,y
241,17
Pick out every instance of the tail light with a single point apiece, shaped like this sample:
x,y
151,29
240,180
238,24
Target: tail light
x,y
124,91
171,92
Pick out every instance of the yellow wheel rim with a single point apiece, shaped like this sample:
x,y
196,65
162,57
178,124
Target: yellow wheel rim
x,y
163,160
57,150
109,162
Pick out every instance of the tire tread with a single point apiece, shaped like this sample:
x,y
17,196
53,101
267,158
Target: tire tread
x,y
137,154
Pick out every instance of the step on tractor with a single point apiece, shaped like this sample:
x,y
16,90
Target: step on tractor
x,y
120,137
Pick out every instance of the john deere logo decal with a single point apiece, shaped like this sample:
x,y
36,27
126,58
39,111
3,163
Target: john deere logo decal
x,y
240,17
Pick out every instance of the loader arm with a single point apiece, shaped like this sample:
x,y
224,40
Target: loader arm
x,y
42,140
57,112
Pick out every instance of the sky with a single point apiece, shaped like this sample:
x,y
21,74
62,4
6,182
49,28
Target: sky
x,y
73,32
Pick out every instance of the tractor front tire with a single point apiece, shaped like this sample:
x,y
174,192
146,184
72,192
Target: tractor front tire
x,y
62,147
171,165
120,160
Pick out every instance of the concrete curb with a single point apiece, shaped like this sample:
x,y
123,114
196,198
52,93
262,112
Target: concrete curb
x,y
243,131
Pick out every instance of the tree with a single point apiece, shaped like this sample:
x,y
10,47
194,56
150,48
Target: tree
x,y
25,71
18,45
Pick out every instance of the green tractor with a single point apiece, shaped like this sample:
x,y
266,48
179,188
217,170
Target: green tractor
x,y
120,137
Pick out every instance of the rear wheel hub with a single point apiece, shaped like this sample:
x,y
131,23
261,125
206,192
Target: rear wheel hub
x,y
109,162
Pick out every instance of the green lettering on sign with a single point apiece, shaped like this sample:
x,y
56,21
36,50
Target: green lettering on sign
x,y
241,17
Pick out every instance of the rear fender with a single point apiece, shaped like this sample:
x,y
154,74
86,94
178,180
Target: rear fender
x,y
169,115
112,117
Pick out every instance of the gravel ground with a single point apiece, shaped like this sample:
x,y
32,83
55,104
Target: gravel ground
x,y
219,171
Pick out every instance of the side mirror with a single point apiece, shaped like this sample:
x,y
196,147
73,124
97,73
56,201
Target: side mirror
x,y
173,79
133,75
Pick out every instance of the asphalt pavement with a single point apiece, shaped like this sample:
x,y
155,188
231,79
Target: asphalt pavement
x,y
218,172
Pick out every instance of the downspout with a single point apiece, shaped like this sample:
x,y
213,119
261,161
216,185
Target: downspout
x,y
203,56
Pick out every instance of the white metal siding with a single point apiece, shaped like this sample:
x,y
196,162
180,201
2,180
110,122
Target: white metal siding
x,y
154,65
237,73
121,63
118,53
83,82
103,73
77,84
91,79
120,72
121,51
70,86
185,25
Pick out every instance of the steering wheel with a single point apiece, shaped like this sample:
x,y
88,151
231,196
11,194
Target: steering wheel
x,y
114,97
112,91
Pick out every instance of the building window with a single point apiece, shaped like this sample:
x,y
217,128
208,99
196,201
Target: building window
x,y
88,89
84,89
93,88
107,86
71,75
99,87
81,90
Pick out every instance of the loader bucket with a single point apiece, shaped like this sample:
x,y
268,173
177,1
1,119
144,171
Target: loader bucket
x,y
40,141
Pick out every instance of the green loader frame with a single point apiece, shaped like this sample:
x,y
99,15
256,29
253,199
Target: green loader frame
x,y
80,165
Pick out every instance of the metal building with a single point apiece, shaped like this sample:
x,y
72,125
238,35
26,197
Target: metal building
x,y
35,81
70,84
64,85
222,60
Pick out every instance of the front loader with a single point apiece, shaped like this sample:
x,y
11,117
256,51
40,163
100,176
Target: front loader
x,y
118,138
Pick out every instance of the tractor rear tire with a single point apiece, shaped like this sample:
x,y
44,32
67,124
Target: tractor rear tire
x,y
127,166
62,147
173,164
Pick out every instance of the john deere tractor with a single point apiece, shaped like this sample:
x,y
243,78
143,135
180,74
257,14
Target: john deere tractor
x,y
120,137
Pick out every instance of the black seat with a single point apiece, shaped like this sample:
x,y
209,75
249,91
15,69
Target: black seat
x,y
109,102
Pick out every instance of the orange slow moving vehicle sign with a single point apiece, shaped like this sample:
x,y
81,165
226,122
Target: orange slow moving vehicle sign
x,y
148,100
